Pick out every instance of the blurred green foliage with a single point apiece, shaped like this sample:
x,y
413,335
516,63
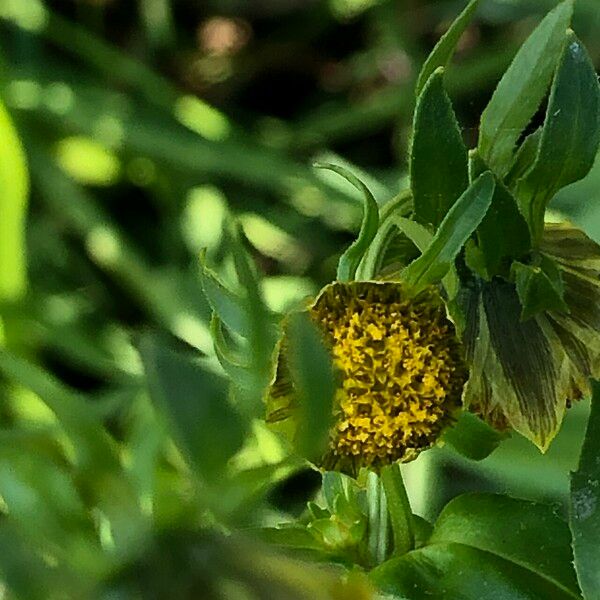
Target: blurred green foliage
x,y
143,125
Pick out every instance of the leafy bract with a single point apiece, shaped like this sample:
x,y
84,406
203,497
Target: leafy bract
x,y
350,259
438,155
540,287
472,437
521,89
570,136
460,222
503,234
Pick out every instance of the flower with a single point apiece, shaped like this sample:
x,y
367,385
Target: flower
x,y
401,372
524,374
483,302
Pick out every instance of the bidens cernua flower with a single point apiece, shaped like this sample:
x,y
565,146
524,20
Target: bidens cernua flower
x,y
400,370
458,293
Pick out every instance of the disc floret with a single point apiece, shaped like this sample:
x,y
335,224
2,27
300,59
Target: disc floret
x,y
401,371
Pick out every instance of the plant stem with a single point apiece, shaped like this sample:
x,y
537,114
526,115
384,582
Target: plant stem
x,y
399,509
378,520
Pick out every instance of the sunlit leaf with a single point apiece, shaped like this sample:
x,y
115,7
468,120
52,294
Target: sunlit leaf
x,y
14,180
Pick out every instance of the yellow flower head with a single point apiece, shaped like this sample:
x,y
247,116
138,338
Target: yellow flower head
x,y
401,372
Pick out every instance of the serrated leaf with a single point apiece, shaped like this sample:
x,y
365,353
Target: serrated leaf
x,y
540,287
521,89
263,330
570,135
473,438
460,222
235,365
350,259
444,50
438,155
584,506
503,234
229,306
204,425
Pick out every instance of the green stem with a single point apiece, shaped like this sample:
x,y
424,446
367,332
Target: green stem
x,y
399,509
378,532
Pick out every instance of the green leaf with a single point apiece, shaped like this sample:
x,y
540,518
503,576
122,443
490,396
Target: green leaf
x,y
503,234
453,571
94,447
472,437
204,425
524,158
460,222
235,365
334,485
98,465
442,54
311,371
263,331
584,512
229,306
399,509
512,548
13,206
521,89
421,237
350,259
25,573
507,527
438,156
387,233
570,135
297,537
540,287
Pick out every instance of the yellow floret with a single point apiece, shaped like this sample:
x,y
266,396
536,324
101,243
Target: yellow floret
x,y
401,372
